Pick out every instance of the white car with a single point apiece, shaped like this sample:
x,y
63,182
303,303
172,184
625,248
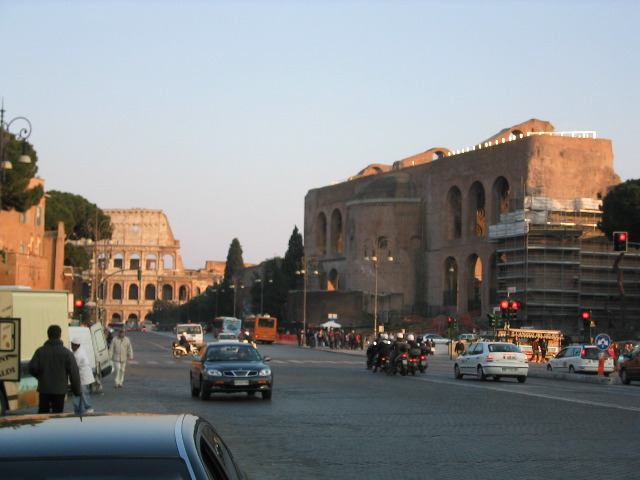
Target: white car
x,y
492,359
579,359
227,337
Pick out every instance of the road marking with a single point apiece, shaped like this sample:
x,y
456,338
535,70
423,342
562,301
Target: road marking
x,y
532,394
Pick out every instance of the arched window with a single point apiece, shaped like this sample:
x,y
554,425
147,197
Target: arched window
x,y
133,292
118,261
450,287
151,262
183,293
334,280
117,292
150,292
474,283
167,292
501,199
167,262
134,261
321,234
477,224
336,231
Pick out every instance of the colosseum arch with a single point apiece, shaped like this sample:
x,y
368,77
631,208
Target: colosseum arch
x,y
167,292
476,206
474,283
151,262
118,261
167,262
150,292
133,292
334,280
134,261
336,231
183,293
500,199
450,287
453,223
321,234
116,292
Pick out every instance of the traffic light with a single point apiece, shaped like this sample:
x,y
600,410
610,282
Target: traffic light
x,y
504,308
586,315
77,308
620,241
513,307
492,319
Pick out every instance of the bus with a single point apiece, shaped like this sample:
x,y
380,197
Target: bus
x,y
262,329
227,325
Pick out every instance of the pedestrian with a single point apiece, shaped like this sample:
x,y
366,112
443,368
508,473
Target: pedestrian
x,y
535,350
83,402
120,352
55,367
543,350
459,347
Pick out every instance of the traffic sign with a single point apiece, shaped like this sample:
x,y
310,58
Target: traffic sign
x,y
603,341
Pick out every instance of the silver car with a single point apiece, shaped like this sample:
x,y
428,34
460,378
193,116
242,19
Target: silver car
x,y
580,359
492,359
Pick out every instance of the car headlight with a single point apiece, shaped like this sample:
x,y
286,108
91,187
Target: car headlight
x,y
214,373
265,372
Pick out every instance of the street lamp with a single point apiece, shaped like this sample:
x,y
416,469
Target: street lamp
x,y
235,288
259,280
378,244
308,266
22,135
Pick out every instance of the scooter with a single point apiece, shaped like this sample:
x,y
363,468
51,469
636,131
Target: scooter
x,y
417,360
181,350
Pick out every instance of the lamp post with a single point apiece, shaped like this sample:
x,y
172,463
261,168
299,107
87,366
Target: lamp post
x,y
259,280
98,285
378,244
22,135
235,287
307,266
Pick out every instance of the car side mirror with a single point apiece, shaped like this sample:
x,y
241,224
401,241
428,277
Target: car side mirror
x,y
266,359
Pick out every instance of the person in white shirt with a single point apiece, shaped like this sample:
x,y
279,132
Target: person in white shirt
x,y
120,351
82,404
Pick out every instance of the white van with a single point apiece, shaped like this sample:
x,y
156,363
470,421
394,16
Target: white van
x,y
193,332
94,343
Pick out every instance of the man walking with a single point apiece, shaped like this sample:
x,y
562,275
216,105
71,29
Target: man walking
x,y
83,403
54,366
121,351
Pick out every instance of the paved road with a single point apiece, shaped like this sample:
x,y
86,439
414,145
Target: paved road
x,y
331,418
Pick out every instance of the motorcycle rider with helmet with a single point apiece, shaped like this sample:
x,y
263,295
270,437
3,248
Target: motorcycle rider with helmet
x,y
398,347
383,350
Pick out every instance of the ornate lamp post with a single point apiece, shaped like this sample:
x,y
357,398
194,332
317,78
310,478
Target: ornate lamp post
x,y
308,266
22,135
378,244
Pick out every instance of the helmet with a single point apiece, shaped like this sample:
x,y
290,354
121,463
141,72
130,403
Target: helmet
x,y
385,336
411,337
400,336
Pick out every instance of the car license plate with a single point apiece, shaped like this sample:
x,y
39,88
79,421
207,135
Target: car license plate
x,y
240,383
506,369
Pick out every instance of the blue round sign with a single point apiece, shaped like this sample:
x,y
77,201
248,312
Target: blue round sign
x,y
603,341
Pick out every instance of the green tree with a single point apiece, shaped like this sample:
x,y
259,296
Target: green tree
x,y
226,293
621,211
16,194
292,258
76,256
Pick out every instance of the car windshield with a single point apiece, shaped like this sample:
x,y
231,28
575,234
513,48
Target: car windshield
x,y
96,469
503,347
232,353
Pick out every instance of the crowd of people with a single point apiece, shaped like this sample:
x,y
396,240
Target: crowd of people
x,y
332,338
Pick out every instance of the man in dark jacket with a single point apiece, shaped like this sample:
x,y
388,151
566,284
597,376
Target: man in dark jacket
x,y
55,367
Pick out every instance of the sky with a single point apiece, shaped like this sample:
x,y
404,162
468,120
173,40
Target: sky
x,y
224,114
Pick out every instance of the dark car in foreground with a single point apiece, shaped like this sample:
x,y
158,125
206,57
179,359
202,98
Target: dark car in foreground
x,y
230,367
629,369
123,446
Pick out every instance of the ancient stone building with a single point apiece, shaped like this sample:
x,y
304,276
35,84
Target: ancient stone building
x,y
141,263
452,232
29,256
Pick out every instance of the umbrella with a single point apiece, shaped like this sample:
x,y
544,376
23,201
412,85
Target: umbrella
x,y
331,324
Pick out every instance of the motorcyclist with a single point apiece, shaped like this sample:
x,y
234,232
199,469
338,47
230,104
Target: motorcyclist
x,y
372,350
383,350
398,347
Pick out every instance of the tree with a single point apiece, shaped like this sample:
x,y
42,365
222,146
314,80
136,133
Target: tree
x,y
234,261
16,194
292,258
79,216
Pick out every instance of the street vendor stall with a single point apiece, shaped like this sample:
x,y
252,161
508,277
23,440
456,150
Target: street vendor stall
x,y
524,338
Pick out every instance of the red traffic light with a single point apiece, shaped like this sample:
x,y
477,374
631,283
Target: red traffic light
x,y
515,305
622,237
79,303
586,315
449,319
504,304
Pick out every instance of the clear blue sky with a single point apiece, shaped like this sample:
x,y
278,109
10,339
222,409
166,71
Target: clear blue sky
x,y
225,113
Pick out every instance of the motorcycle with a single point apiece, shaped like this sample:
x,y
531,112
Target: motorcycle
x,y
181,350
371,354
401,365
384,363
417,360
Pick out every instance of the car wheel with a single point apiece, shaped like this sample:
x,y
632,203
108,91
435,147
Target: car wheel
x,y
266,395
571,369
549,368
496,378
195,391
204,393
624,377
522,378
481,374
456,372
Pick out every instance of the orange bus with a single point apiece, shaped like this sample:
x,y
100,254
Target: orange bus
x,y
262,329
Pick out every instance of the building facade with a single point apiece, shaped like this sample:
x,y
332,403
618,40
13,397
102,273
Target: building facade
x,y
140,264
451,233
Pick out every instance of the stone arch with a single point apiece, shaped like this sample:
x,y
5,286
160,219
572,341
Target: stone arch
x,y
336,231
150,292
321,233
450,287
476,206
500,199
334,280
167,262
134,261
183,293
474,283
134,291
167,292
151,262
116,317
116,292
118,261
132,318
453,223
